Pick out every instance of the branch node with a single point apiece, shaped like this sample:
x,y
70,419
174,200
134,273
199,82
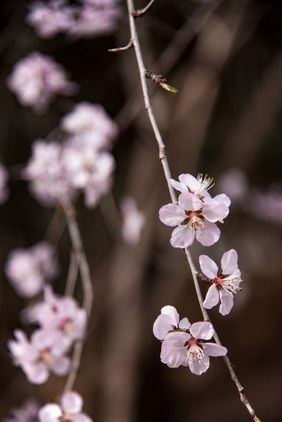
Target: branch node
x,y
138,13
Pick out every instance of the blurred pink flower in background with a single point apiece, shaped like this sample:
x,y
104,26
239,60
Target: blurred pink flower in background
x,y
49,19
185,344
29,269
69,410
224,284
195,214
43,354
87,19
133,221
267,205
88,125
3,184
49,182
26,413
235,184
36,79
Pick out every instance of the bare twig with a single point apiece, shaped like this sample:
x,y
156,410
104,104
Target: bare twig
x,y
81,260
120,49
72,275
141,12
167,173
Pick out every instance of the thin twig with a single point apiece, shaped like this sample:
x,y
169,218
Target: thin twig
x,y
119,49
81,260
72,275
167,173
141,12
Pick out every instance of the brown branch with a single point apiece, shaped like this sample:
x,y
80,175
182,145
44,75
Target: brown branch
x,y
167,173
141,12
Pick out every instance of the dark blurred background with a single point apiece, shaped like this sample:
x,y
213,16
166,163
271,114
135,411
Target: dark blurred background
x,y
226,62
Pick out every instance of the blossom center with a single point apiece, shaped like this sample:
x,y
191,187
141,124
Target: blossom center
x,y
194,220
46,356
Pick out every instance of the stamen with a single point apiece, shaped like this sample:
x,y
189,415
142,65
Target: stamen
x,y
195,352
205,183
231,283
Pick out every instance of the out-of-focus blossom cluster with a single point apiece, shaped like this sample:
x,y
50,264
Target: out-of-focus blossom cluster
x,y
61,322
36,79
195,213
85,19
70,410
184,343
3,184
223,284
29,269
132,221
57,172
267,205
28,412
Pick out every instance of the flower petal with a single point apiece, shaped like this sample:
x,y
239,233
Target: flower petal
x,y
50,413
172,313
181,237
61,366
229,262
173,352
178,186
212,297
71,403
214,210
212,349
224,199
184,324
202,330
190,181
209,235
171,215
189,202
198,367
208,266
37,373
227,302
162,326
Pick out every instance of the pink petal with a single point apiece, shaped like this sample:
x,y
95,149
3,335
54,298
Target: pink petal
x,y
178,186
172,313
173,352
184,324
71,403
202,330
212,349
81,418
229,262
198,367
181,237
227,301
208,266
49,413
190,181
188,201
224,199
212,297
37,373
214,210
61,366
209,235
162,326
171,215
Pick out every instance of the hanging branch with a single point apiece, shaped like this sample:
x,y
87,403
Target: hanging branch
x,y
81,260
167,174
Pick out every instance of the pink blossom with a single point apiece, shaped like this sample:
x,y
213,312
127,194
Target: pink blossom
x,y
95,17
26,413
195,214
185,344
235,184
89,126
69,410
3,184
267,205
132,221
43,354
49,180
198,186
51,18
169,321
29,269
88,170
223,284
36,79
61,315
